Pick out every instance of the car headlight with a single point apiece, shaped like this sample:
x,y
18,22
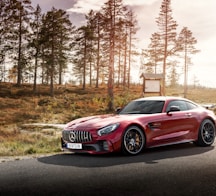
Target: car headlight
x,y
108,129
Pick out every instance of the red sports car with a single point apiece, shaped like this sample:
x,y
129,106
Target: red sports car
x,y
142,123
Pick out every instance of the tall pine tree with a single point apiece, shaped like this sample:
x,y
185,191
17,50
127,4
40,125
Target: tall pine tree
x,y
187,43
56,34
167,31
35,42
20,17
113,11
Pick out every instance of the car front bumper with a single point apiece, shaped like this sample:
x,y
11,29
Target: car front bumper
x,y
99,147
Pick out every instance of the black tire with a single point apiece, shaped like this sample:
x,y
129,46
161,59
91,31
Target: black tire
x,y
206,135
133,141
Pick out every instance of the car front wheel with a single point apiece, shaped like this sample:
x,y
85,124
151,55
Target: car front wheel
x,y
133,141
206,135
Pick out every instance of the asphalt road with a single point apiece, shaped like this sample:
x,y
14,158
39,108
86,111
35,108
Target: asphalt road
x,y
175,170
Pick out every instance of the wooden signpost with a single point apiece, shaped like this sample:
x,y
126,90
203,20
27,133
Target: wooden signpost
x,y
152,83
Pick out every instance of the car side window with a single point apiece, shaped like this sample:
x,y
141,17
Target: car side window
x,y
179,103
143,107
191,105
154,107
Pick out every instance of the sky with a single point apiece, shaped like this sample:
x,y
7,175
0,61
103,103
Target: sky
x,y
198,16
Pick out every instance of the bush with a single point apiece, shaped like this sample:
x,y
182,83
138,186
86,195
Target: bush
x,y
30,150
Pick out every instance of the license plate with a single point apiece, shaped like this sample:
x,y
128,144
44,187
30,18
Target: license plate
x,y
74,145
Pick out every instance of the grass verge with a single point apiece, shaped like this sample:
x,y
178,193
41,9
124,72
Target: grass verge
x,y
20,142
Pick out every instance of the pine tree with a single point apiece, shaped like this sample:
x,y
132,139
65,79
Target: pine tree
x,y
35,41
20,16
155,52
3,33
3,27
56,30
146,65
167,26
121,51
187,42
174,75
132,29
92,42
83,52
112,12
98,36
66,35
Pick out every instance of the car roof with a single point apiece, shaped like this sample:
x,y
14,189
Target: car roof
x,y
161,98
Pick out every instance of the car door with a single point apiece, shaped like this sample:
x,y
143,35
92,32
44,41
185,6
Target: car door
x,y
174,126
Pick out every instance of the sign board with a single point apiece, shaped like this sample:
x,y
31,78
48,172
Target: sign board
x,y
152,86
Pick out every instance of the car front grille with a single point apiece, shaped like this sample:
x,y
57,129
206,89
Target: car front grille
x,y
76,136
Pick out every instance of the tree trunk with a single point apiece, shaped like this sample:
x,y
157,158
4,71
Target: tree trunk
x,y
35,74
19,63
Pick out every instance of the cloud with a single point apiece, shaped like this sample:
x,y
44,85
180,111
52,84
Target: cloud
x,y
139,2
83,6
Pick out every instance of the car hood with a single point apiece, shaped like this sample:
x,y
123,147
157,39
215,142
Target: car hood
x,y
96,122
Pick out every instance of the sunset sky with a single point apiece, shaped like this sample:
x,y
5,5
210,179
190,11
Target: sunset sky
x,y
199,16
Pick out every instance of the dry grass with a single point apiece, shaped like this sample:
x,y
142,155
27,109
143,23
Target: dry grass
x,y
14,142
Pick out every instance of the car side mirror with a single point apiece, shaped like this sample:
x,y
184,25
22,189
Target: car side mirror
x,y
118,110
173,109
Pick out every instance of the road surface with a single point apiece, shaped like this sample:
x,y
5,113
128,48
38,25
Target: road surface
x,y
174,170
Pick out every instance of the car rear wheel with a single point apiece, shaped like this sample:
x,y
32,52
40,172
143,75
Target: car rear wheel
x,y
133,141
206,135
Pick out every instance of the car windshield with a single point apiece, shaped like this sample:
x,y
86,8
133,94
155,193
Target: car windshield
x,y
143,107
